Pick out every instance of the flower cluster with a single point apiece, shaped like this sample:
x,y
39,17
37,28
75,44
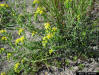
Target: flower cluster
x,y
50,33
54,29
44,42
4,38
16,66
51,51
8,55
47,26
4,5
20,31
39,10
35,2
21,39
33,33
2,31
3,73
1,50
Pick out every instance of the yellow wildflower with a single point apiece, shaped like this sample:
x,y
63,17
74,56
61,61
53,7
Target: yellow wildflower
x,y
2,31
39,10
20,31
51,51
21,39
33,33
2,49
8,55
2,5
4,38
47,25
35,1
3,73
49,36
16,66
54,28
44,43
17,41
44,38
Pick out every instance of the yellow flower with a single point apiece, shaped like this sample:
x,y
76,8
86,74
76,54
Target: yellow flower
x,y
17,41
33,33
20,31
49,36
3,73
54,28
51,51
35,1
21,39
44,38
8,55
44,43
47,25
2,49
2,31
2,5
39,10
16,66
4,38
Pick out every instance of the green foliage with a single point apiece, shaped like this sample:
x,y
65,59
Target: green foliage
x,y
81,66
65,28
75,58
67,62
6,17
